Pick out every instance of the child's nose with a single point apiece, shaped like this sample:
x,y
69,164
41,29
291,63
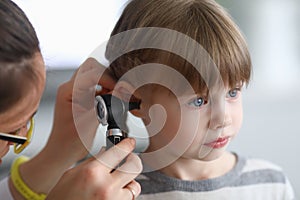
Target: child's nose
x,y
220,117
220,123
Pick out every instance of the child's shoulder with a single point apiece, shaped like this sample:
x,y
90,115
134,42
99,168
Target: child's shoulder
x,y
261,171
257,171
255,164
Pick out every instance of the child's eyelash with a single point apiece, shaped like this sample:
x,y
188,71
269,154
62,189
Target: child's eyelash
x,y
237,88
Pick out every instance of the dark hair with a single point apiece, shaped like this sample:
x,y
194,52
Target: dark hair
x,y
204,21
18,45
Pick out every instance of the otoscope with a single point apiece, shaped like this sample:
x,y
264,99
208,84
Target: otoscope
x,y
112,111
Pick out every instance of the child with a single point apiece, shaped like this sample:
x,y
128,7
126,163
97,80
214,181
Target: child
x,y
186,62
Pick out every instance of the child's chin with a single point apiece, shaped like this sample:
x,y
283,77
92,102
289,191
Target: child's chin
x,y
210,154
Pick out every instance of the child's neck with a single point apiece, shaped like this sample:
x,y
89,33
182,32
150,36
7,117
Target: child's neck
x,y
191,169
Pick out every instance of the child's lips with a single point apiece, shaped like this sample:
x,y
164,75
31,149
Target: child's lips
x,y
218,143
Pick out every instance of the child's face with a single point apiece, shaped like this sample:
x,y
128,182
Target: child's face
x,y
197,127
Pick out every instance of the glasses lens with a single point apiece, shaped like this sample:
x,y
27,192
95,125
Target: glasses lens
x,y
28,129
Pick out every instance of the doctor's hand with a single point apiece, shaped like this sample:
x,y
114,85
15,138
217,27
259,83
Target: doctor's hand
x,y
74,127
95,179
75,121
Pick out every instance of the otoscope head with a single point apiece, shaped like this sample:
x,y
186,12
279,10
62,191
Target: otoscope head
x,y
112,111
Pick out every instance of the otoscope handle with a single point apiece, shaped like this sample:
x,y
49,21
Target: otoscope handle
x,y
113,140
114,136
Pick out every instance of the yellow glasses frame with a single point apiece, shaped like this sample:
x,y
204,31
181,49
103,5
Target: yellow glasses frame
x,y
18,148
20,142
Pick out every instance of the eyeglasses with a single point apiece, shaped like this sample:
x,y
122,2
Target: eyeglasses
x,y
20,142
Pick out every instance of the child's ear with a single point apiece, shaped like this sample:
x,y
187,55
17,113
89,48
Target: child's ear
x,y
124,91
127,93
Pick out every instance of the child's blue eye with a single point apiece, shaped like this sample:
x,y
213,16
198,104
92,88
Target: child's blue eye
x,y
233,93
198,102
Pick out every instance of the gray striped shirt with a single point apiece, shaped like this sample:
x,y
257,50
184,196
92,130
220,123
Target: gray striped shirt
x,y
250,179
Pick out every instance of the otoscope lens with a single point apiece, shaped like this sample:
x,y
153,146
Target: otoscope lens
x,y
101,111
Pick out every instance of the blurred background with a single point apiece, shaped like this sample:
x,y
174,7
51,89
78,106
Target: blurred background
x,y
70,30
